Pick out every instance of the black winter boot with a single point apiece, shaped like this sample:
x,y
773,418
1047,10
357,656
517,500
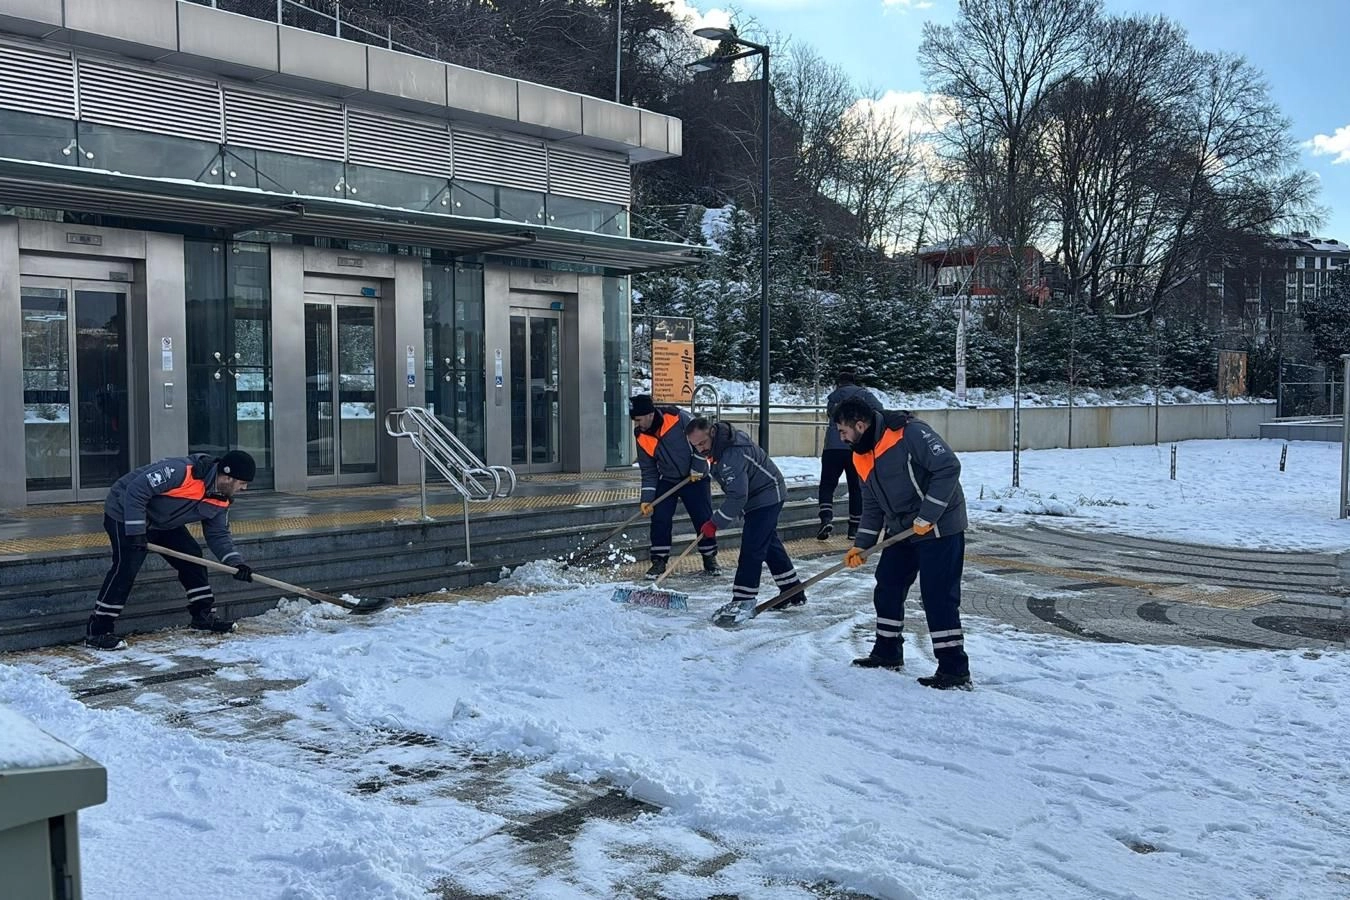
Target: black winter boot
x,y
205,619
891,656
99,635
658,568
792,602
944,681
710,566
826,529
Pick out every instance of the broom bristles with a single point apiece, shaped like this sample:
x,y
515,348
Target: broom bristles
x,y
656,599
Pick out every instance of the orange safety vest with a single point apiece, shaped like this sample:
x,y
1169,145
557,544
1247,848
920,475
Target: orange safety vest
x,y
649,442
194,488
864,462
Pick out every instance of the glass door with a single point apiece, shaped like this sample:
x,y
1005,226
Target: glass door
x,y
536,372
340,403
75,376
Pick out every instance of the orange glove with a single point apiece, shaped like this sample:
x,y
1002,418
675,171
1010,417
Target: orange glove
x,y
853,558
696,477
922,526
646,508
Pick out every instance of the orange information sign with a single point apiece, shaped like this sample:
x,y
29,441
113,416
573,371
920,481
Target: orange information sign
x,y
673,372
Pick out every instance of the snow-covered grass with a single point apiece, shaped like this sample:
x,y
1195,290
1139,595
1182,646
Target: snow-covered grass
x,y
1229,493
746,393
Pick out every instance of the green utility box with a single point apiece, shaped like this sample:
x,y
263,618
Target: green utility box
x,y
43,784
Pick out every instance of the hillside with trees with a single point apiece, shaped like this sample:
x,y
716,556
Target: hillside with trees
x,y
1136,163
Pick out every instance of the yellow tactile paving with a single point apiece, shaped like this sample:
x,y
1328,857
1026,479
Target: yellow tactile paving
x,y
408,511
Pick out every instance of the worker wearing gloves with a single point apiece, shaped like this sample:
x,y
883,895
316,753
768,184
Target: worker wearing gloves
x,y
665,459
910,478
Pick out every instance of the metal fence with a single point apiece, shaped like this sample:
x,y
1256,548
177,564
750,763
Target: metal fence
x,y
328,17
1309,398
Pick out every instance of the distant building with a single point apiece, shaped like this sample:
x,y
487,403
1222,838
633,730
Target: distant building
x,y
1260,297
976,268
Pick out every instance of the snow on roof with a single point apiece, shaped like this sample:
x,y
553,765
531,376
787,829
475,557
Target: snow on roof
x,y
25,746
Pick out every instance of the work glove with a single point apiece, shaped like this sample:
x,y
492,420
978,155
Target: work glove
x,y
708,529
646,508
922,526
696,477
135,541
854,557
243,572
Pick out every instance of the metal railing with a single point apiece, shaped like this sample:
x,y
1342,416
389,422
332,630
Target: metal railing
x,y
716,400
471,478
328,17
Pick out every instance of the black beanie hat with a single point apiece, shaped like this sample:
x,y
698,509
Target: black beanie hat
x,y
640,405
238,464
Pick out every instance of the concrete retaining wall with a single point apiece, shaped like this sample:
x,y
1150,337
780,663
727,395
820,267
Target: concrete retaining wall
x,y
802,434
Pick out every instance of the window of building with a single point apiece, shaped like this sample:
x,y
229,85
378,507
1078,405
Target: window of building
x,y
229,350
151,155
586,215
402,189
38,138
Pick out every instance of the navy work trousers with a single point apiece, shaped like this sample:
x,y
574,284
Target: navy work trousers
x,y
697,498
937,564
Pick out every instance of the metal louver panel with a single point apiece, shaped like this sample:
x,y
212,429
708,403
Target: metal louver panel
x,y
149,101
589,176
34,82
284,125
500,161
394,143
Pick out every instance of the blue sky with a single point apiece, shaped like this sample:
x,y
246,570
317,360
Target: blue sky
x,y
1297,46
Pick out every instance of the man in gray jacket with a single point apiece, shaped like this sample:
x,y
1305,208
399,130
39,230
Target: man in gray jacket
x,y
156,503
755,492
910,478
837,459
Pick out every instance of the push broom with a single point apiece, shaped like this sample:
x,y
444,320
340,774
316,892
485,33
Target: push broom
x,y
654,596
579,555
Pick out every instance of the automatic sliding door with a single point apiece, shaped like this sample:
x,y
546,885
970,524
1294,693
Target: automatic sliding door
x,y
340,399
536,371
76,442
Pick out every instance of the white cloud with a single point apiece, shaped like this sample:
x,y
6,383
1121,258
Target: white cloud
x,y
1337,145
693,18
913,111
907,5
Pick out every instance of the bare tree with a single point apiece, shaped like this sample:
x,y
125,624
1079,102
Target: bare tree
x,y
878,179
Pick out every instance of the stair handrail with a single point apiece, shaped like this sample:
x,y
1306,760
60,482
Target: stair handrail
x,y
456,463
717,400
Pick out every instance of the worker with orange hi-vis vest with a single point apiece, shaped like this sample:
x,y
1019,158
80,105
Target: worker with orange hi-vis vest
x,y
910,479
156,503
666,459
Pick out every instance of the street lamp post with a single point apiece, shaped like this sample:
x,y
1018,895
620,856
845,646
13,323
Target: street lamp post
x,y
707,64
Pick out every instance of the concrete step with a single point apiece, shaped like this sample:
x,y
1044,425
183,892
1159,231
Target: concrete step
x,y
37,610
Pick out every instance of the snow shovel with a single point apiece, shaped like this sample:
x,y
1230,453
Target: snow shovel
x,y
355,607
580,555
732,614
653,596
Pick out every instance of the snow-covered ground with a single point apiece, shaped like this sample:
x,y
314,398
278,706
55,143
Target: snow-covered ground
x,y
1074,770
1229,493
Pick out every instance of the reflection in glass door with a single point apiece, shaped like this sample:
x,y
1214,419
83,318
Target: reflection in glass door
x,y
340,404
76,443
536,370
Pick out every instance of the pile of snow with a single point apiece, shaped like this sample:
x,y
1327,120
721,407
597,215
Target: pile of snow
x,y
1074,770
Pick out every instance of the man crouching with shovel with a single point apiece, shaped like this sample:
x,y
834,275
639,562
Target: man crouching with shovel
x,y
755,491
